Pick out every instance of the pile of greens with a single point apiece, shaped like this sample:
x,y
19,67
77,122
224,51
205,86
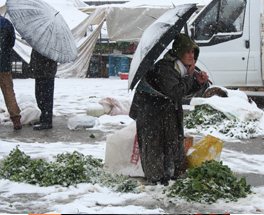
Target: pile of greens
x,y
204,117
69,169
209,182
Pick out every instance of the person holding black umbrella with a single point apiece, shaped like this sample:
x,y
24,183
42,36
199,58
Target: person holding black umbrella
x,y
157,110
7,41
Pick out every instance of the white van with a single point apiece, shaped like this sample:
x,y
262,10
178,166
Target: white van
x,y
228,33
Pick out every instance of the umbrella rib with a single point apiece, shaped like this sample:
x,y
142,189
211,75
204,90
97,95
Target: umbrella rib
x,y
140,29
151,16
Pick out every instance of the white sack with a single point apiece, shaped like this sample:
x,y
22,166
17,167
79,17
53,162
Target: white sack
x,y
82,121
30,112
115,106
122,153
236,105
95,110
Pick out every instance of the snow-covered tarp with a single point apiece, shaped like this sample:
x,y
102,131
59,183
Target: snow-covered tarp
x,y
235,106
128,21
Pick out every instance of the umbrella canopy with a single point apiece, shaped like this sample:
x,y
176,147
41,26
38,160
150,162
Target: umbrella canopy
x,y
156,38
43,28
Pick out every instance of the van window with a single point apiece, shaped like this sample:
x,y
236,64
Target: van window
x,y
222,16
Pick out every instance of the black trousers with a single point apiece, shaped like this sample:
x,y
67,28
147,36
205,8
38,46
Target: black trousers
x,y
44,93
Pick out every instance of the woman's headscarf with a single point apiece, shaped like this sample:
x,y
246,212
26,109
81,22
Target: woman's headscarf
x,y
182,43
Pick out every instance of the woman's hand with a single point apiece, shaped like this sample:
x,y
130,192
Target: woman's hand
x,y
202,77
191,68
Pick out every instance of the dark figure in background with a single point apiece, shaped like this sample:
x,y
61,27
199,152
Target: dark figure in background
x,y
7,41
44,73
157,109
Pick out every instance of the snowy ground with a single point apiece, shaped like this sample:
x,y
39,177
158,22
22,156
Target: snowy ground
x,y
73,97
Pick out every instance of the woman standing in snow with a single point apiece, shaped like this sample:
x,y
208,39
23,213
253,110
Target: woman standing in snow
x,y
157,109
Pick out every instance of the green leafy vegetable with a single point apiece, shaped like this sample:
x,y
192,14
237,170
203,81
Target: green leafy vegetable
x,y
204,117
68,169
209,182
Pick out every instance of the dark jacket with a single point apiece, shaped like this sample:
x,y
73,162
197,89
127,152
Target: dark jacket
x,y
147,108
43,67
7,41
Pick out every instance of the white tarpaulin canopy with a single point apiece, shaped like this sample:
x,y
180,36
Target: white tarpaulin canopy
x,y
78,22
128,21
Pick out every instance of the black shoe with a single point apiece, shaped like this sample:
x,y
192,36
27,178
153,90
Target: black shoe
x,y
43,125
36,123
164,182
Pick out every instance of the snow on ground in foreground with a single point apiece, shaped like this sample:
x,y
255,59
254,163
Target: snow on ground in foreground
x,y
72,97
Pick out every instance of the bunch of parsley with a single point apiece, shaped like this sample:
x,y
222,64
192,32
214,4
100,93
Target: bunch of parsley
x,y
205,117
209,182
69,169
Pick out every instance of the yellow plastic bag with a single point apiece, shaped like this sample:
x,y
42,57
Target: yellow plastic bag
x,y
209,148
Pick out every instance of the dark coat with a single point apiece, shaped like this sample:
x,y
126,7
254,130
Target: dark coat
x,y
43,67
159,119
7,41
157,110
148,108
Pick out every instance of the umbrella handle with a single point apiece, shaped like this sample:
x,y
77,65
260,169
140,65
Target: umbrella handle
x,y
210,82
197,71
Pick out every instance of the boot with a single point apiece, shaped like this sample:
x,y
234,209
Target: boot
x,y
16,122
42,125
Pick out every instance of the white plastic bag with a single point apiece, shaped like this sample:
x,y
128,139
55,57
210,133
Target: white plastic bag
x,y
30,112
122,153
115,106
82,121
95,110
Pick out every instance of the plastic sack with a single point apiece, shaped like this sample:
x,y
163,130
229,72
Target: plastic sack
x,y
122,152
209,148
82,121
115,106
95,110
29,110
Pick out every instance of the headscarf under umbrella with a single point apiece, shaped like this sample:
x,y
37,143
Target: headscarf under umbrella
x,y
182,43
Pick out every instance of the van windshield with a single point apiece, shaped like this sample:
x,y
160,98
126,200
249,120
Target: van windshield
x,y
222,16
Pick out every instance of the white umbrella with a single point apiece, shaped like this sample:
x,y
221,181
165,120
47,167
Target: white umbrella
x,y
2,3
43,28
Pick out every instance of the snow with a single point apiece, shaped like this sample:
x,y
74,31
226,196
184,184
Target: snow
x,y
156,3
72,97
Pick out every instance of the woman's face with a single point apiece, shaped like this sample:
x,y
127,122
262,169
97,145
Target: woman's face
x,y
188,58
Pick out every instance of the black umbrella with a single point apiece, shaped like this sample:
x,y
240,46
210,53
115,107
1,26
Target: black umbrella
x,y
156,38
